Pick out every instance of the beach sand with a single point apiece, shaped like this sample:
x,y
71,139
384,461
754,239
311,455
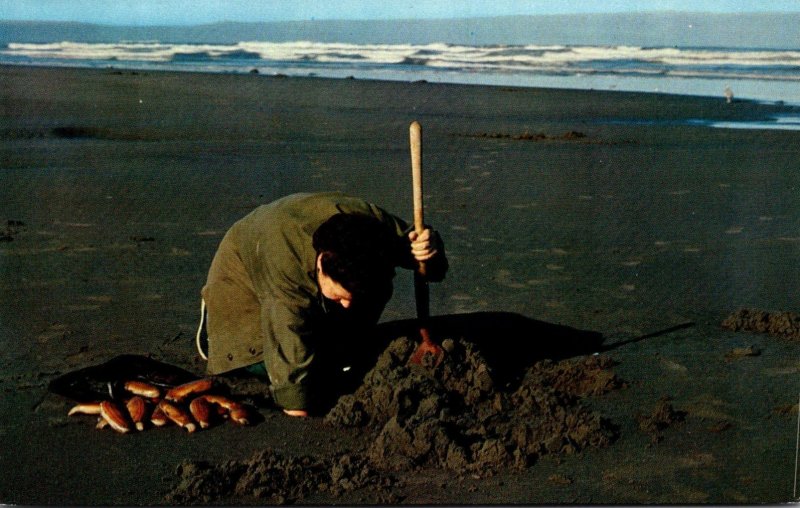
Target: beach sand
x,y
620,218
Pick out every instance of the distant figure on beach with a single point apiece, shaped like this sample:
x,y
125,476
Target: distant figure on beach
x,y
296,286
728,94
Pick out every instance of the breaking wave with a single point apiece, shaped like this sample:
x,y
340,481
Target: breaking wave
x,y
760,74
558,60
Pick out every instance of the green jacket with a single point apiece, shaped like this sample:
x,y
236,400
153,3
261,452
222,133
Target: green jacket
x,y
264,290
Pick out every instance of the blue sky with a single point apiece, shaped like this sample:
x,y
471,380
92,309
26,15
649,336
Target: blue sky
x,y
188,12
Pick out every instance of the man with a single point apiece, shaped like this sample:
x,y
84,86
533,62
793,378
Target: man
x,y
296,286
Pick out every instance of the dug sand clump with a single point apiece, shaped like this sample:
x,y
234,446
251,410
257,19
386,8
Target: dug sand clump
x,y
782,324
267,477
663,415
454,415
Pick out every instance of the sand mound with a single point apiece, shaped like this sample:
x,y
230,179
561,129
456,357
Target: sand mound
x,y
783,324
528,136
269,478
662,416
453,415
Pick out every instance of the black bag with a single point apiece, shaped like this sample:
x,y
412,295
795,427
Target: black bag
x,y
106,381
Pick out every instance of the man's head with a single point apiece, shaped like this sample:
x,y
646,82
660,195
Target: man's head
x,y
356,253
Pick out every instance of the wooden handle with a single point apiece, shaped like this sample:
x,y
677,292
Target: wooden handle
x,y
415,137
421,294
415,134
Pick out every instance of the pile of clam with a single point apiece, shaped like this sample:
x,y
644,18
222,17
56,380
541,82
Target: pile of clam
x,y
191,406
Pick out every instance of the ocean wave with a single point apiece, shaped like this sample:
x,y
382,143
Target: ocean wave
x,y
541,59
410,60
206,56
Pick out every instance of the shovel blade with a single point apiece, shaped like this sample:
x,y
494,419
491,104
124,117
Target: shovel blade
x,y
426,347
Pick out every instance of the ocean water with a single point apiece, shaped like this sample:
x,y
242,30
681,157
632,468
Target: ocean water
x,y
770,75
752,58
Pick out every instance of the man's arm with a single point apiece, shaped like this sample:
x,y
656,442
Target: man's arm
x,y
413,248
288,351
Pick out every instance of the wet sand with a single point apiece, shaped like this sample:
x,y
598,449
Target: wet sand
x,y
598,211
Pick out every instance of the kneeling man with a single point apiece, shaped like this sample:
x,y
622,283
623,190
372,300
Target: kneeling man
x,y
296,285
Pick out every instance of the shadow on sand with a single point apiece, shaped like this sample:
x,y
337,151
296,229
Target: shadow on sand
x,y
509,342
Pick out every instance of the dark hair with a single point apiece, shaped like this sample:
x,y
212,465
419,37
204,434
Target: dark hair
x,y
358,252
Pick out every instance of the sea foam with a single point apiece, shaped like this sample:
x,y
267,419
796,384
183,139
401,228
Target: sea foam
x,y
619,67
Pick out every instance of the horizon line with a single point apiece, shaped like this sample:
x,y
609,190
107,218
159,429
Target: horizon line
x,y
400,19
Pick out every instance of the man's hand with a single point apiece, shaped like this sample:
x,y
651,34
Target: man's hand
x,y
425,245
296,412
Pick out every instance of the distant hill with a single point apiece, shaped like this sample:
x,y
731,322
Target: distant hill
x,y
760,30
